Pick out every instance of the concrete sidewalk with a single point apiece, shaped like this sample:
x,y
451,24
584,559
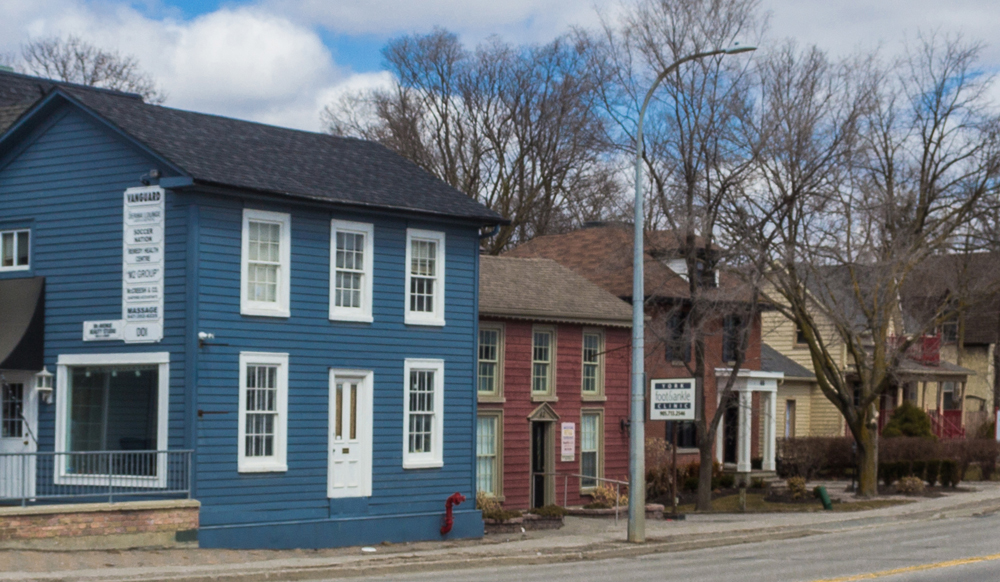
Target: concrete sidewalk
x,y
581,538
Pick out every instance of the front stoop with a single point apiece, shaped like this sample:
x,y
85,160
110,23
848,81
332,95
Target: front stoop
x,y
101,526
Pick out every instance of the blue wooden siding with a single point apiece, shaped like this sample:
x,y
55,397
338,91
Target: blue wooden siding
x,y
68,185
315,345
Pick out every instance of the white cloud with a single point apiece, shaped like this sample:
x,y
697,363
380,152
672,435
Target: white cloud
x,y
243,62
846,25
515,20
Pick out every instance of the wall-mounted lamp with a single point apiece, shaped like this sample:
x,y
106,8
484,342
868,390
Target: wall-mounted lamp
x,y
204,337
43,385
625,426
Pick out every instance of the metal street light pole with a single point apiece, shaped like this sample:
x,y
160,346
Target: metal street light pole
x,y
637,443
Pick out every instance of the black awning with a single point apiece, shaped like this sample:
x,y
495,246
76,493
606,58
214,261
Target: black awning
x,y
22,324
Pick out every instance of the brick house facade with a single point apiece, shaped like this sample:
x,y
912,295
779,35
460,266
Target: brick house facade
x,y
554,364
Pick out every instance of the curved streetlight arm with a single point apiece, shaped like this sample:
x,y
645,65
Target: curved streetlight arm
x,y
637,433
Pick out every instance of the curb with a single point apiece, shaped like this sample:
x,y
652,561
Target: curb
x,y
410,562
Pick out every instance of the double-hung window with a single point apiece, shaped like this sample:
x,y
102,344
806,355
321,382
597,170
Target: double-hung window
x,y
351,258
15,247
424,277
266,263
423,414
263,421
490,375
489,439
543,346
593,363
591,434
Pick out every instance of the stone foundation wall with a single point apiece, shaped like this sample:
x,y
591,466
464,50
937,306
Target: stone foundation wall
x,y
129,524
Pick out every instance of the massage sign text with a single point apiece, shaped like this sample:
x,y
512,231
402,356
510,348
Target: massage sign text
x,y
142,272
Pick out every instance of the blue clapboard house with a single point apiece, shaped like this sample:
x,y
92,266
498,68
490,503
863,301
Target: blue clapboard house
x,y
297,310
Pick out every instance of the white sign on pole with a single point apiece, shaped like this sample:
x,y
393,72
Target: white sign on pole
x,y
568,441
672,399
142,265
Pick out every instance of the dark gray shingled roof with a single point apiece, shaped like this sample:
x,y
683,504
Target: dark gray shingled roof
x,y
771,360
544,290
221,151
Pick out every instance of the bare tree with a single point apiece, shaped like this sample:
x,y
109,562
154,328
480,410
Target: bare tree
x,y
694,156
867,173
515,127
74,60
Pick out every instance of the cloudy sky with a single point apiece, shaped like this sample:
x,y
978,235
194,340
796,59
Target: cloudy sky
x,y
280,61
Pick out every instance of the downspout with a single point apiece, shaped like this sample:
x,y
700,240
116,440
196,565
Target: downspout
x,y
191,344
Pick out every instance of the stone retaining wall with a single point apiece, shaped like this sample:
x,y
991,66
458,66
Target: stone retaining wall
x,y
170,523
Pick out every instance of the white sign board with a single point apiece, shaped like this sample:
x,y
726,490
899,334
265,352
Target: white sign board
x,y
568,441
94,331
672,399
142,265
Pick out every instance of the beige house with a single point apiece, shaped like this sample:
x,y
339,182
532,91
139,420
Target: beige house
x,y
929,379
803,409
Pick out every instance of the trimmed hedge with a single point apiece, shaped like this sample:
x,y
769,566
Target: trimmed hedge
x,y
935,461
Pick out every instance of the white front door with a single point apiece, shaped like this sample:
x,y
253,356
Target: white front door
x,y
350,465
18,434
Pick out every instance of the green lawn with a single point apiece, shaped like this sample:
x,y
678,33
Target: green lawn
x,y
757,504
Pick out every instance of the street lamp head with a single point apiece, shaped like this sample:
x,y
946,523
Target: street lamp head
x,y
738,48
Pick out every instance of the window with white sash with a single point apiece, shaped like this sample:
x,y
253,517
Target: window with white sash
x,y
424,277
490,372
263,421
593,363
423,414
351,259
543,349
591,435
266,263
489,439
15,247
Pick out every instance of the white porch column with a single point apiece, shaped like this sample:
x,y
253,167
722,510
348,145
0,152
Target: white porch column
x,y
720,432
769,426
743,447
719,440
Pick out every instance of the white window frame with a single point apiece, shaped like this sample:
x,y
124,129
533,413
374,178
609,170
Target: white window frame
x,y
15,232
497,415
599,461
278,463
63,364
550,391
497,394
437,316
435,458
598,393
361,314
280,308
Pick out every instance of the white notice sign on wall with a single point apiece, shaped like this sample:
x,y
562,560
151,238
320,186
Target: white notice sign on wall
x,y
142,265
95,331
568,441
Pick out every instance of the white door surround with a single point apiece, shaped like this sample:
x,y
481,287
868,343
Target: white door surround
x,y
18,433
747,382
350,434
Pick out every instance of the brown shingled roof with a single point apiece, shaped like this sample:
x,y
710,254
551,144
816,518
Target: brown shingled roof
x,y
542,289
604,256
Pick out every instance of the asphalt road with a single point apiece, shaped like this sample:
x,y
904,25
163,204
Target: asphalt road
x,y
963,549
